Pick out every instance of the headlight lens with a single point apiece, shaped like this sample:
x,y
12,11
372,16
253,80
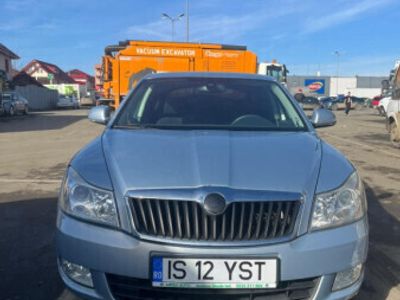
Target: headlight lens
x,y
341,206
85,201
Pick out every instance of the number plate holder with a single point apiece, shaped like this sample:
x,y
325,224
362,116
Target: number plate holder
x,y
214,272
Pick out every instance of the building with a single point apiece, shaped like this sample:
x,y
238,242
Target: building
x,y
82,78
47,73
6,69
318,86
98,77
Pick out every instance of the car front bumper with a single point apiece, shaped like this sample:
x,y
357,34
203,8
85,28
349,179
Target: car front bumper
x,y
104,251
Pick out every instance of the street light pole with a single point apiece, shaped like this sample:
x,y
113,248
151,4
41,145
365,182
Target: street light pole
x,y
337,53
173,20
187,20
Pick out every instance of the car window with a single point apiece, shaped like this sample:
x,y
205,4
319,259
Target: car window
x,y
6,97
211,103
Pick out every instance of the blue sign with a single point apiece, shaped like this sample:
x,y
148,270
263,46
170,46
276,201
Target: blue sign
x,y
315,86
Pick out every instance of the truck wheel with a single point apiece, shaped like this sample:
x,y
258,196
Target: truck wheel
x,y
395,135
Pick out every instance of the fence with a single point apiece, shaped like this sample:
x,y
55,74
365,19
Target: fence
x,y
39,98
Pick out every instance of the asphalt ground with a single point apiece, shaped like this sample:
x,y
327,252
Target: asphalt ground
x,y
35,149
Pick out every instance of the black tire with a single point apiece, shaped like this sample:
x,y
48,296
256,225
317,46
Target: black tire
x,y
395,135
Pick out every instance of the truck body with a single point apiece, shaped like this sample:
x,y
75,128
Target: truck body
x,y
125,64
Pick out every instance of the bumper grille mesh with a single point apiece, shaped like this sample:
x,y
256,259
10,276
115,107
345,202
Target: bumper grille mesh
x,y
187,220
126,288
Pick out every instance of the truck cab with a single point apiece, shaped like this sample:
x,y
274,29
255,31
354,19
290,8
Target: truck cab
x,y
275,70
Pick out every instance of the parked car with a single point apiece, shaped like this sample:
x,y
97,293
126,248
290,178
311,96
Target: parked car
x,y
326,102
87,101
208,184
375,101
383,105
1,105
393,121
68,102
309,103
13,103
338,103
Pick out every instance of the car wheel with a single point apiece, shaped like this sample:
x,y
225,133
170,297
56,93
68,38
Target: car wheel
x,y
26,110
11,111
395,135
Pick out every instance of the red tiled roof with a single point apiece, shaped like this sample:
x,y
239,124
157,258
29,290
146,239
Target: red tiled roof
x,y
59,75
8,52
80,76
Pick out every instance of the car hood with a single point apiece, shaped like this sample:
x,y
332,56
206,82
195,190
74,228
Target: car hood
x,y
159,159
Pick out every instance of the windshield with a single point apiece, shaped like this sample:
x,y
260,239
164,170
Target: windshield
x,y
211,103
275,72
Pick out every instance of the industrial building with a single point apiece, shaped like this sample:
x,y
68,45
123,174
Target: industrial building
x,y
360,86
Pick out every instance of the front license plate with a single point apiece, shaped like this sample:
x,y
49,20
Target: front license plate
x,y
215,273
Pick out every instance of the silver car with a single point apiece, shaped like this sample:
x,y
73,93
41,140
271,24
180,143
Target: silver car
x,y
211,186
13,103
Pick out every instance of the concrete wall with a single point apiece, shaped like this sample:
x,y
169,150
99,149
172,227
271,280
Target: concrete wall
x,y
39,98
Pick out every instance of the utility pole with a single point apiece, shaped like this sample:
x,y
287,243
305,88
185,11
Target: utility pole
x,y
337,53
173,20
187,20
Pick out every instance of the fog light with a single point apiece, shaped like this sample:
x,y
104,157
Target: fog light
x,y
346,278
77,273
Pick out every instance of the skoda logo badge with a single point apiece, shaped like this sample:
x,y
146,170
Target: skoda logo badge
x,y
214,204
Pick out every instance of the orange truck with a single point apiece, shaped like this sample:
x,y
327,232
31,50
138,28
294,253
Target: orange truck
x,y
126,63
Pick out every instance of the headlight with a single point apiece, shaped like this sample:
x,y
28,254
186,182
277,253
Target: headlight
x,y
80,199
341,206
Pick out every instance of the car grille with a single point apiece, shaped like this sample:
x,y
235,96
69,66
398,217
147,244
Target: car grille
x,y
187,220
126,288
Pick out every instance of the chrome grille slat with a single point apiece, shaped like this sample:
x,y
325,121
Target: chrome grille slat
x,y
240,221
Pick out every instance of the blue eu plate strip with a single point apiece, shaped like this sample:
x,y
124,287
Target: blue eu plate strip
x,y
157,269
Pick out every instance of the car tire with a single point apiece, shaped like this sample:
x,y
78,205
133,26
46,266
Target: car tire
x,y
26,110
11,111
395,135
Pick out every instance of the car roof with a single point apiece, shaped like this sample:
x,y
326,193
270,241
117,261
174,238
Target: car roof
x,y
209,75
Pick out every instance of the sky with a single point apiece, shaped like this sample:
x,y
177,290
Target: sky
x,y
302,34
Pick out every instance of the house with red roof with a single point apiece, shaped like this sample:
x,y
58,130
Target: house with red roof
x,y
82,78
47,73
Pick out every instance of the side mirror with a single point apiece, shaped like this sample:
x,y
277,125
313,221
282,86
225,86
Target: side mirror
x,y
322,117
100,114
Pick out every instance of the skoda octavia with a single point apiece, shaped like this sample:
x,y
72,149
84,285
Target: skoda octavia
x,y
211,186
